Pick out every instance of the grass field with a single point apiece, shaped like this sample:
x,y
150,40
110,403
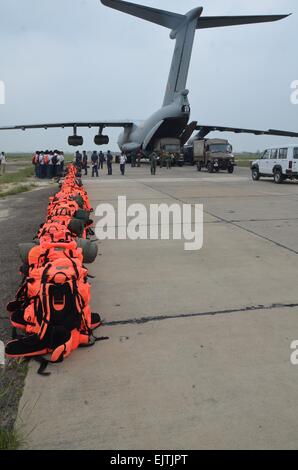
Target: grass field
x,y
17,182
244,159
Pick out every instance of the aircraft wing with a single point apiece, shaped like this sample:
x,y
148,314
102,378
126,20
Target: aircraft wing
x,y
205,130
74,125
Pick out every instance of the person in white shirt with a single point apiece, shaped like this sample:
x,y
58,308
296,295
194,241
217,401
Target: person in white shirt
x,y
58,165
50,166
42,166
123,160
2,163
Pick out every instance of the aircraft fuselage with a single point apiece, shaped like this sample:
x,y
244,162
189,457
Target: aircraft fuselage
x,y
168,121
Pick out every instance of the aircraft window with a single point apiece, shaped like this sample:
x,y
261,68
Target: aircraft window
x,y
283,154
296,153
274,153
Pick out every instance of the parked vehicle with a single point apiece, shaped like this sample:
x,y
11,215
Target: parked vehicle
x,y
170,146
280,163
212,154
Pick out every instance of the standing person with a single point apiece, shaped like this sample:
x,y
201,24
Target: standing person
x,y
62,162
3,163
42,166
101,159
169,161
153,161
85,163
35,162
133,160
54,163
123,160
110,163
139,156
49,164
79,161
95,164
58,165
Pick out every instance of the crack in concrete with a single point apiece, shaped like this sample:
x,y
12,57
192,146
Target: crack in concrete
x,y
252,308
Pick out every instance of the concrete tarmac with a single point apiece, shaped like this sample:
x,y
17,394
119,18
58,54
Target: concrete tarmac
x,y
200,342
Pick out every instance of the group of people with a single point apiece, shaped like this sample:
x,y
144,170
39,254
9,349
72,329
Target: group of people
x,y
164,159
2,163
48,164
98,160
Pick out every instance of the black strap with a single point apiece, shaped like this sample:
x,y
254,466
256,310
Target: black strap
x,y
43,366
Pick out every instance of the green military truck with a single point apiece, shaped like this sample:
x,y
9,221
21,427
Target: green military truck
x,y
170,146
213,154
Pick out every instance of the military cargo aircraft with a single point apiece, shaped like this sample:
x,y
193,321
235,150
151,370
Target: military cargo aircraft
x,y
171,122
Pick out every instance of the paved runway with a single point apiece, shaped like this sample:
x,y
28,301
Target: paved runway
x,y
199,349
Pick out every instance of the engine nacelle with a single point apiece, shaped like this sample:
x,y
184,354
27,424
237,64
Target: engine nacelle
x,y
75,140
101,140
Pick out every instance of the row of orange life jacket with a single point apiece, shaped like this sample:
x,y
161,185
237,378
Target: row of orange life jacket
x,y
52,306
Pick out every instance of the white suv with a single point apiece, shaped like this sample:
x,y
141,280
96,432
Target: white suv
x,y
281,163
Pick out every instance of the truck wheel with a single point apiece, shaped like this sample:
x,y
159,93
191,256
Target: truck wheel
x,y
231,170
255,174
199,167
278,177
210,167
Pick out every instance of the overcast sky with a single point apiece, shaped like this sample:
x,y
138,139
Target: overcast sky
x,y
72,60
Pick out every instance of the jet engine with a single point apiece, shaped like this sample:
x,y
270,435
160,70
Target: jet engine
x,y
75,140
101,139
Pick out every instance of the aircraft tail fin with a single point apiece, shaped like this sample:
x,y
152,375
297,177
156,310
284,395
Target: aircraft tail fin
x,y
161,17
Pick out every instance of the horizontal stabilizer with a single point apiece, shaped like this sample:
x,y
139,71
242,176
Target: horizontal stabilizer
x,y
219,21
161,17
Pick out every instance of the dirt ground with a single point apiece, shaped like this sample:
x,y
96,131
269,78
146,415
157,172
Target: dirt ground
x,y
20,217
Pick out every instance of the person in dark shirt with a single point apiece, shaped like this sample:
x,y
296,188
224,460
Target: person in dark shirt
x,y
85,163
110,163
95,164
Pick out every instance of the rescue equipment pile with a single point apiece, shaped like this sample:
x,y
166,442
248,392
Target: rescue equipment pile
x,y
52,306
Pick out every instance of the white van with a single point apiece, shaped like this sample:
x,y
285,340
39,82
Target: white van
x,y
281,163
